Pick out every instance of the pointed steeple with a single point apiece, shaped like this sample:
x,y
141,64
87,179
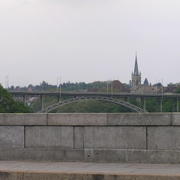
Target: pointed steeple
x,y
136,71
136,75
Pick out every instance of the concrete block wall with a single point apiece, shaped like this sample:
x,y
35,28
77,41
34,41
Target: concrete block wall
x,y
133,137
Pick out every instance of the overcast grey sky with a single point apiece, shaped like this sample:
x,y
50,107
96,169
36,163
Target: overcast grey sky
x,y
88,40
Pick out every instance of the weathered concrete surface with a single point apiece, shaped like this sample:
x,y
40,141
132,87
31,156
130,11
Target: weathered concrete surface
x,y
11,136
86,171
115,137
90,155
90,119
110,137
164,138
136,119
77,119
126,137
22,119
176,119
48,136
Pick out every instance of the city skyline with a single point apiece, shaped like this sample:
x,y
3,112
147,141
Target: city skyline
x,y
88,40
59,79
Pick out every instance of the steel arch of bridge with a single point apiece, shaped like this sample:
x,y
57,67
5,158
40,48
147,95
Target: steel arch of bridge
x,y
98,98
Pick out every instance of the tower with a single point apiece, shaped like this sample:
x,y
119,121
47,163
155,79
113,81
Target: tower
x,y
136,75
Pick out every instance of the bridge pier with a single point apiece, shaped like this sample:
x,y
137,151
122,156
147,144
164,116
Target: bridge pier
x,y
127,99
177,105
24,99
144,104
42,102
161,105
59,98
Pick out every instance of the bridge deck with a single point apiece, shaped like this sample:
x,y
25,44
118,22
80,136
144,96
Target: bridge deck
x,y
91,171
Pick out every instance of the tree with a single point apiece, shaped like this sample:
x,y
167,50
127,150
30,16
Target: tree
x,y
178,89
9,105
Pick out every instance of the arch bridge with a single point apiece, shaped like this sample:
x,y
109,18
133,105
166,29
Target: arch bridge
x,y
98,98
121,99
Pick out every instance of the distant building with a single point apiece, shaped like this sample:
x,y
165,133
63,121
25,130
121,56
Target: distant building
x,y
136,76
137,86
146,82
172,88
119,87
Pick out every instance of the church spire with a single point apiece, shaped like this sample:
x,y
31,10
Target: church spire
x,y
136,71
136,76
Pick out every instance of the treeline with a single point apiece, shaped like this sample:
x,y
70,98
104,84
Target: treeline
x,y
97,86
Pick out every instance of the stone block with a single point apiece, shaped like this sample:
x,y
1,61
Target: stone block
x,y
78,137
105,155
41,154
77,119
23,119
74,155
91,155
176,119
131,156
163,138
136,119
48,136
152,156
11,136
115,137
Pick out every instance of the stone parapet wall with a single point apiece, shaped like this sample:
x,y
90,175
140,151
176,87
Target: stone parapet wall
x,y
131,137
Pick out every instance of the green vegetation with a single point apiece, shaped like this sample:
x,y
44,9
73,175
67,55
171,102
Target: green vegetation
x,y
178,90
47,101
91,106
97,86
9,105
153,104
168,105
